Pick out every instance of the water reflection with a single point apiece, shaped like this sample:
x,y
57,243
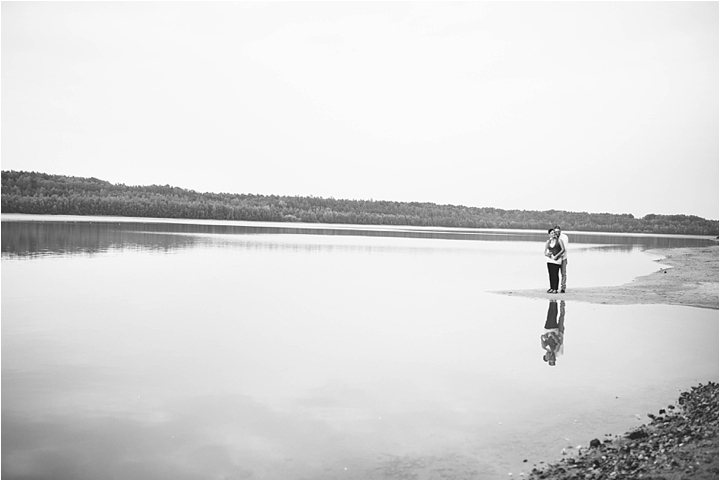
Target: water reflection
x,y
32,236
553,339
36,239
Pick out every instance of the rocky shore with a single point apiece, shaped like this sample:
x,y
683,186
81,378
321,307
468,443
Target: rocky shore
x,y
679,442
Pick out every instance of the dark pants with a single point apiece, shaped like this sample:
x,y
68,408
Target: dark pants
x,y
554,272
551,320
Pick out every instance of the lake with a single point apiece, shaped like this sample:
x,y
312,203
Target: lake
x,y
168,349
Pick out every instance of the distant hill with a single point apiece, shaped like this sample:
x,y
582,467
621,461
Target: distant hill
x,y
37,193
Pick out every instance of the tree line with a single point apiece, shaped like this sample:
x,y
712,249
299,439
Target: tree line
x,y
39,193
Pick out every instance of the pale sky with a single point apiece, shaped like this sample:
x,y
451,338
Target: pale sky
x,y
578,106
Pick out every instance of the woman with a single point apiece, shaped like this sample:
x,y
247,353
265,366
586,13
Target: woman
x,y
553,251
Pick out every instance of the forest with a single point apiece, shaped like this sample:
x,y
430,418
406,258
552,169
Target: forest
x,y
39,193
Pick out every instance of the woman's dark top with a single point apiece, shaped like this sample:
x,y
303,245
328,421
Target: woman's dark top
x,y
556,248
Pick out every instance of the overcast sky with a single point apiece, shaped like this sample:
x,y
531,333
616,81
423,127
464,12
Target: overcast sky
x,y
579,106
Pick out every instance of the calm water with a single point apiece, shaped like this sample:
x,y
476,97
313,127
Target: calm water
x,y
136,349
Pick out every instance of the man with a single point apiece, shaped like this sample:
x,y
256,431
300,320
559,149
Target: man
x,y
564,241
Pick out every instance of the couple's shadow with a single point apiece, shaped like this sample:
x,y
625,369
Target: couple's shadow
x,y
552,339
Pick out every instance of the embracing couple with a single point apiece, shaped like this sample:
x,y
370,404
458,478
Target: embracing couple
x,y
556,253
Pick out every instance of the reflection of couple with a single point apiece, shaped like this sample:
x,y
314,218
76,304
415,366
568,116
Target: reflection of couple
x,y
556,253
552,339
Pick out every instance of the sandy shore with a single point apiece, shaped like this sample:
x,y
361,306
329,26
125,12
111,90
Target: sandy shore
x,y
691,281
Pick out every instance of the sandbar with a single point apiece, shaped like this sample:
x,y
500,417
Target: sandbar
x,y
692,280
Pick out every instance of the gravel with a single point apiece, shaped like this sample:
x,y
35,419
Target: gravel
x,y
679,442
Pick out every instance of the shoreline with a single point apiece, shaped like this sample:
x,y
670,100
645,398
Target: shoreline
x,y
691,281
679,442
